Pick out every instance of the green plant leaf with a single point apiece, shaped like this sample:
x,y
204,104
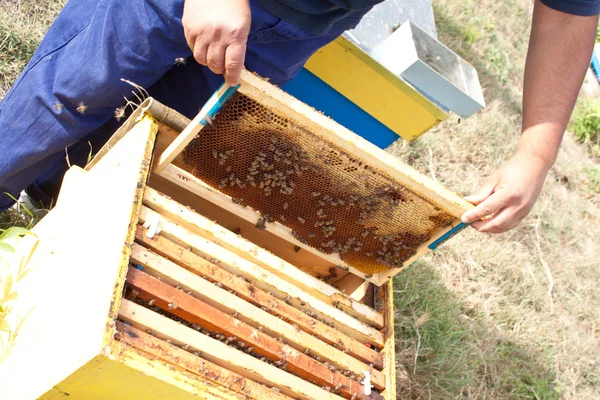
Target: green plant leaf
x,y
7,248
21,206
13,232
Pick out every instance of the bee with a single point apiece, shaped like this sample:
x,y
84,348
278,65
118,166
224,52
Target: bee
x,y
151,302
180,61
172,306
119,113
81,108
261,224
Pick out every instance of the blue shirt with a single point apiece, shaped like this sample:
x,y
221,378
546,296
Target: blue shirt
x,y
577,7
323,16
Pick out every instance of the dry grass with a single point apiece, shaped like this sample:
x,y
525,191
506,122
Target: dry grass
x,y
485,317
22,25
513,315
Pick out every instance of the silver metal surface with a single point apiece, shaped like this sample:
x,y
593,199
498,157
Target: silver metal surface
x,y
385,18
432,68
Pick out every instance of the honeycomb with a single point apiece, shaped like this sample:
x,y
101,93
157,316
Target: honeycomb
x,y
332,200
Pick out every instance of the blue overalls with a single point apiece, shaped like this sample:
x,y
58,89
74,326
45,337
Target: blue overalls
x,y
68,93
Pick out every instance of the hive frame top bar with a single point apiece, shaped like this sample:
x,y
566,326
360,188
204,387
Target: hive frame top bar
x,y
275,99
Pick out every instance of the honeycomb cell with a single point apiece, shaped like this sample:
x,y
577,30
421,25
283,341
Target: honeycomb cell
x,y
331,200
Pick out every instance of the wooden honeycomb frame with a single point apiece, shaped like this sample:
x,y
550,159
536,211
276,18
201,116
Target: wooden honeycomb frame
x,y
447,205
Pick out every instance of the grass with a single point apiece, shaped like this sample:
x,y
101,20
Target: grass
x,y
585,124
456,349
22,26
513,316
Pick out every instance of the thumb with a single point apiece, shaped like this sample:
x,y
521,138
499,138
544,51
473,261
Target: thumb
x,y
484,191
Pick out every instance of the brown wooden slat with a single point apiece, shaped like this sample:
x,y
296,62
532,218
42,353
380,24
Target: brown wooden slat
x,y
222,354
183,359
242,245
229,303
266,280
198,312
201,267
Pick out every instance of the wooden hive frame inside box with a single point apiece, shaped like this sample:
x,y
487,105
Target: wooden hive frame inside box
x,y
184,308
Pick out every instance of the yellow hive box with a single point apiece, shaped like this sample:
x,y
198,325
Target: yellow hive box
x,y
110,309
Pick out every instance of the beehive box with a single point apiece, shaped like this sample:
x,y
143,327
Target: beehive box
x,y
170,285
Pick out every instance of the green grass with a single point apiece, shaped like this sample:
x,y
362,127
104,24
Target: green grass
x,y
511,316
456,349
585,124
22,26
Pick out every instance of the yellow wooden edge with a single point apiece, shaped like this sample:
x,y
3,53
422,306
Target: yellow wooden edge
x,y
136,207
131,374
388,98
390,344
393,79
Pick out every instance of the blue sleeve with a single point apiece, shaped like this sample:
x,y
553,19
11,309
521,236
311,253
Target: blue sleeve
x,y
576,7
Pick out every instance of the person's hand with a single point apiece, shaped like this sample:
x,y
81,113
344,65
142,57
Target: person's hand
x,y
508,195
217,32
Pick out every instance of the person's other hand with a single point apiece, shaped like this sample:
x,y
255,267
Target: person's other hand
x,y
508,195
217,33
